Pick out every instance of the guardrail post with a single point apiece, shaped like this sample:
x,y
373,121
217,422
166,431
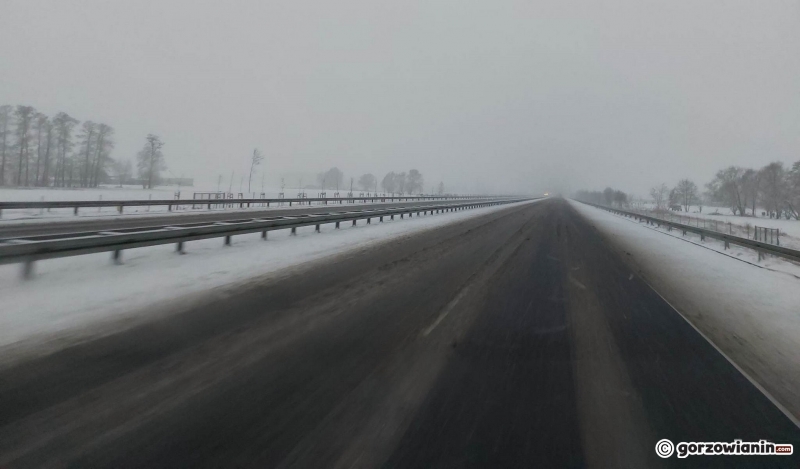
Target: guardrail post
x,y
369,221
27,269
120,209
380,220
294,231
227,240
401,216
392,217
337,225
264,235
116,257
317,229
354,222
179,247
76,210
727,246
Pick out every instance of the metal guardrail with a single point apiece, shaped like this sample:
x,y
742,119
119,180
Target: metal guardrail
x,y
29,249
170,203
759,246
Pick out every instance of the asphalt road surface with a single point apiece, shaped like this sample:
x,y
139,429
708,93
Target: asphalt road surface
x,y
17,229
517,338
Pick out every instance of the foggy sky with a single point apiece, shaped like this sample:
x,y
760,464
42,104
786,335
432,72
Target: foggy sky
x,y
499,95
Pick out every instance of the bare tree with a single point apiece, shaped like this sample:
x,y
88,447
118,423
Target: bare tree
x,y
255,160
40,128
24,119
48,141
686,192
793,191
414,181
331,178
86,141
773,187
620,198
400,180
367,181
123,171
727,188
751,182
388,182
150,161
608,195
105,144
659,194
5,120
64,125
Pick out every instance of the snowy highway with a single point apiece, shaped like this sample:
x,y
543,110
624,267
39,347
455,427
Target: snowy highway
x,y
517,337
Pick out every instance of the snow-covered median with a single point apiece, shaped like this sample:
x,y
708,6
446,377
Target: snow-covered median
x,y
67,296
751,312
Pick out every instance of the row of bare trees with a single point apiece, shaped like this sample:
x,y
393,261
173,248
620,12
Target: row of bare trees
x,y
38,150
411,182
400,183
682,196
773,188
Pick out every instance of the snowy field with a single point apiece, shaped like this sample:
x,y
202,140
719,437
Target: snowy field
x,y
722,215
72,297
39,194
749,310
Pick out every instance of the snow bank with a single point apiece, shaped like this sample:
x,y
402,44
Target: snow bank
x,y
68,295
750,311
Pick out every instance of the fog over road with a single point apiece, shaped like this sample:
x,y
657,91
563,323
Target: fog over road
x,y
517,338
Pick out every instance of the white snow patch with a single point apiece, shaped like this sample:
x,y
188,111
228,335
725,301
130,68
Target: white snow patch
x,y
749,310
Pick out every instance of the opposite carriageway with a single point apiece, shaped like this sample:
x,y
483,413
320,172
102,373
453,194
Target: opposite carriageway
x,y
29,249
222,202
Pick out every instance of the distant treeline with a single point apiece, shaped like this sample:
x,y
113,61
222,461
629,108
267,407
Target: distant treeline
x,y
399,183
773,189
608,197
61,151
38,150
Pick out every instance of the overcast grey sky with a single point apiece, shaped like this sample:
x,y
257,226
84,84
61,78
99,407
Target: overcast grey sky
x,y
512,95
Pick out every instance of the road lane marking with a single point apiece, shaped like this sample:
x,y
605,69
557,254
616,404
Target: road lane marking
x,y
755,383
576,283
449,307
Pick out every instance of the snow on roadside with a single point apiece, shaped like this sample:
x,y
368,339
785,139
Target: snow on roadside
x,y
749,311
68,295
719,217
11,217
